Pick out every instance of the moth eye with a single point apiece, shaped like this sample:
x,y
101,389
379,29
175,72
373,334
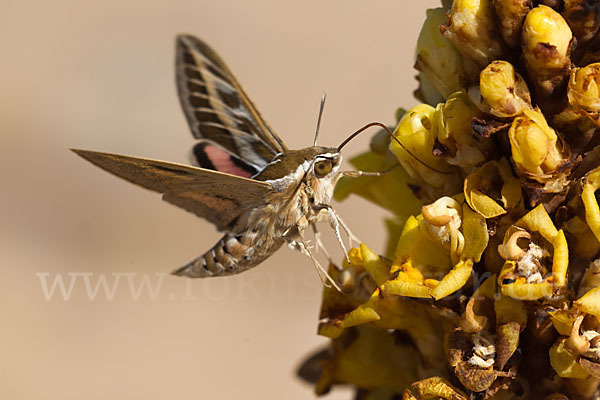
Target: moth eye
x,y
323,167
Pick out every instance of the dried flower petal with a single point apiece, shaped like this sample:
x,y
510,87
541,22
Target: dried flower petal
x,y
473,378
511,14
471,322
437,387
590,367
583,17
507,342
490,184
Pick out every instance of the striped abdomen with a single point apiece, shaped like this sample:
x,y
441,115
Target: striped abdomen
x,y
231,255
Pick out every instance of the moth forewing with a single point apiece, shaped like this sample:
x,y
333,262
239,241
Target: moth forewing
x,y
218,197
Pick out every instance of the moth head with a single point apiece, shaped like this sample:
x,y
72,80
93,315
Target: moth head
x,y
323,167
326,164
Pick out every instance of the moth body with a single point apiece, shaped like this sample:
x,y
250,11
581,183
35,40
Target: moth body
x,y
294,205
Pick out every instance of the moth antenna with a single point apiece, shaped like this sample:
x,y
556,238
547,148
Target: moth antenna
x,y
319,119
379,124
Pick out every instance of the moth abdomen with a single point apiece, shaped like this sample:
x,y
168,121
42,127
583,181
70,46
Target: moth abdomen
x,y
231,255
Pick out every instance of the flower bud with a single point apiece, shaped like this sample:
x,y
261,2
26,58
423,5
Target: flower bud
x,y
546,48
415,154
511,14
452,128
437,58
584,91
503,90
534,144
472,29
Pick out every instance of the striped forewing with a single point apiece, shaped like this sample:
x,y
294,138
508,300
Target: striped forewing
x,y
217,108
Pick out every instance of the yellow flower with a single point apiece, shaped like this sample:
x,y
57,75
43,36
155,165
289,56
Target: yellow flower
x,y
434,258
437,58
534,144
369,359
590,302
502,166
417,255
540,270
576,354
433,174
564,362
452,128
472,29
491,184
389,191
546,48
584,91
433,388
503,90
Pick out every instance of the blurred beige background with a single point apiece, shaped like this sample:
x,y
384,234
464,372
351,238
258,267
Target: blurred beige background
x,y
99,75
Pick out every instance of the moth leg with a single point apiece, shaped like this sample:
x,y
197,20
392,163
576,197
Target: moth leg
x,y
323,275
351,235
301,247
334,221
319,243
